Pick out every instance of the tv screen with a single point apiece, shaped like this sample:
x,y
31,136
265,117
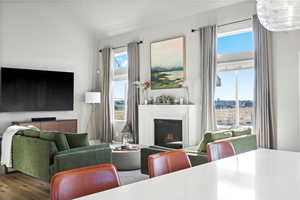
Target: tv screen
x,y
35,90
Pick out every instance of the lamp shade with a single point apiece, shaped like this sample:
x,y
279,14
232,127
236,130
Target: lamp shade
x,y
279,15
92,97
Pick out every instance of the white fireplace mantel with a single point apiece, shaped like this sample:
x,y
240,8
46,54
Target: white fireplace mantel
x,y
187,113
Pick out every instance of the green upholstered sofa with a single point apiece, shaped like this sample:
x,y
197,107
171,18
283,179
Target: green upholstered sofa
x,y
42,154
242,141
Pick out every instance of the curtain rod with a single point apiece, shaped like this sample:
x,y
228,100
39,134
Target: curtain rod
x,y
139,42
234,22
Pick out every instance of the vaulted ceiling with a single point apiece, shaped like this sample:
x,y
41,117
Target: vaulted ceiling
x,y
111,17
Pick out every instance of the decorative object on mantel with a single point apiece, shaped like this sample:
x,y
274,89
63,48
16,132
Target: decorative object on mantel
x,y
145,86
168,63
164,99
92,98
186,89
279,15
181,100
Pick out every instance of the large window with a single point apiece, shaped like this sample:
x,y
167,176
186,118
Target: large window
x,y
235,85
119,90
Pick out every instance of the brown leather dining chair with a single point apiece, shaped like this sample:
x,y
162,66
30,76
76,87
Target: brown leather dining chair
x,y
167,162
219,150
76,183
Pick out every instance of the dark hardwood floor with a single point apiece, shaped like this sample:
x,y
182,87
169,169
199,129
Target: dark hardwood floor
x,y
17,186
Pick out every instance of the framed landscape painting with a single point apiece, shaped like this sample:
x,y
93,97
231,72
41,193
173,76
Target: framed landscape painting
x,y
168,63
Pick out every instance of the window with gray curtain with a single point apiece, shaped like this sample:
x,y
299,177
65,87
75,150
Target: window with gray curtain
x,y
119,91
234,93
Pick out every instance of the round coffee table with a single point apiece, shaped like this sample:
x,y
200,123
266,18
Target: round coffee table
x,y
126,159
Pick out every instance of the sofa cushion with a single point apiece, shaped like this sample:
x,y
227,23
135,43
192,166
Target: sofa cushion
x,y
211,136
59,138
241,131
77,140
30,133
90,147
219,135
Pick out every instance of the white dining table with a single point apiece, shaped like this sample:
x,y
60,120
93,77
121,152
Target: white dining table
x,y
257,175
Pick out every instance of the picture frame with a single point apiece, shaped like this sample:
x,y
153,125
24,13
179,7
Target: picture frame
x,y
168,63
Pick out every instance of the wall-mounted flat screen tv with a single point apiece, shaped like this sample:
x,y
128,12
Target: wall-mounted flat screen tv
x,y
35,90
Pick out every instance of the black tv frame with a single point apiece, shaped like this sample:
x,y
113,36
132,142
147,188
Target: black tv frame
x,y
71,106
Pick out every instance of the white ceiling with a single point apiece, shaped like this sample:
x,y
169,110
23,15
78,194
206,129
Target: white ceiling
x,y
112,17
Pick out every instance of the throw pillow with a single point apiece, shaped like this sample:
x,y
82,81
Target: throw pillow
x,y
241,131
30,133
77,140
33,127
59,138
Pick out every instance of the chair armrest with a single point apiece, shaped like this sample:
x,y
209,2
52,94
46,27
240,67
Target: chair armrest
x,y
198,158
33,156
81,157
146,152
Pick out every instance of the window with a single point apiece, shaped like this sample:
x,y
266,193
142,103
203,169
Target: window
x,y
119,90
235,85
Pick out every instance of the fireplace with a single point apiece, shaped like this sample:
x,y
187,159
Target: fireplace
x,y
168,133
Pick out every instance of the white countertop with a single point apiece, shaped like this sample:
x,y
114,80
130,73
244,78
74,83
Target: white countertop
x,y
256,175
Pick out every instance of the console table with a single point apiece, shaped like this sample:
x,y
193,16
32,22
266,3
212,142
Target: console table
x,y
55,125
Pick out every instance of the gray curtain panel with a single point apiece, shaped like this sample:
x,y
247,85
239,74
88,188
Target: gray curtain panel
x,y
208,57
265,120
133,92
106,134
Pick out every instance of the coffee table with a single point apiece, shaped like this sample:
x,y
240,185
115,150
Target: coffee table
x,y
126,159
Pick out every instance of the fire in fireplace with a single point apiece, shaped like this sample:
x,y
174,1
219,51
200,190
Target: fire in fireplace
x,y
168,133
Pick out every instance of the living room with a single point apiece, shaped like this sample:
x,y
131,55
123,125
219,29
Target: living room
x,y
134,79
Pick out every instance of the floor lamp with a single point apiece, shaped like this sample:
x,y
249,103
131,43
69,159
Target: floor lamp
x,y
92,98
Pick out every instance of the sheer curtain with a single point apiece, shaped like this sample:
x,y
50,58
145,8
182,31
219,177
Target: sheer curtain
x,y
208,56
106,134
265,120
133,92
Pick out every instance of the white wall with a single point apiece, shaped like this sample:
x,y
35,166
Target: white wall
x,y
286,63
286,48
41,36
179,28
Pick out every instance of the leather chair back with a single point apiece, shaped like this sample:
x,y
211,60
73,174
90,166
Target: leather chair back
x,y
76,183
219,150
167,162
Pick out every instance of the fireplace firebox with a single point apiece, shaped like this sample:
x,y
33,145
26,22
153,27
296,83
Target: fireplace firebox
x,y
168,133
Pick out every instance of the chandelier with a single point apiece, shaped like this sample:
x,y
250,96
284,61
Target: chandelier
x,y
279,15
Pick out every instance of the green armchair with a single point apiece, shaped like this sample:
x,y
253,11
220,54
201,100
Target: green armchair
x,y
241,139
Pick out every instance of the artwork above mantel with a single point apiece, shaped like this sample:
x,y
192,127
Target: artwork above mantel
x,y
168,63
